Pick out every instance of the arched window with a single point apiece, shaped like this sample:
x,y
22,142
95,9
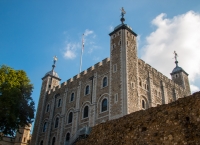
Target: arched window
x,y
143,104
85,112
70,117
105,81
47,108
72,97
56,123
68,136
53,141
140,82
44,126
87,90
104,105
59,102
41,143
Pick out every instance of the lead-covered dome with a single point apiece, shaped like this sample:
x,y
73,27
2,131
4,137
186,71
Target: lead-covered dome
x,y
52,73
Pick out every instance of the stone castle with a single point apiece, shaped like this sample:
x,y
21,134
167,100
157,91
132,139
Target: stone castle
x,y
110,89
22,137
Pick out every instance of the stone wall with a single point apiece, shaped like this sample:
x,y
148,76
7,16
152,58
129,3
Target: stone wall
x,y
174,123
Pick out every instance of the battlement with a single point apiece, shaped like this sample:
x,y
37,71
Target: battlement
x,y
82,74
158,74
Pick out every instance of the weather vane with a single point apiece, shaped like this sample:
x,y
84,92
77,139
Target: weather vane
x,y
54,62
176,55
122,14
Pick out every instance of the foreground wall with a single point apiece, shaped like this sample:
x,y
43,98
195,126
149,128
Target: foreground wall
x,y
175,123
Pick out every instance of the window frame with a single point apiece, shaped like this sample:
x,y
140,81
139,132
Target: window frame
x,y
56,122
105,82
71,100
84,113
70,118
102,105
87,90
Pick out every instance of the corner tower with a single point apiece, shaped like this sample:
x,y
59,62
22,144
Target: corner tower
x,y
49,81
123,70
180,77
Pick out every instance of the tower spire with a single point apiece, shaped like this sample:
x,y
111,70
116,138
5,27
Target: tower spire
x,y
176,61
54,62
122,14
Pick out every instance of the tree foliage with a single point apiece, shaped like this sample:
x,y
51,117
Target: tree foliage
x,y
16,104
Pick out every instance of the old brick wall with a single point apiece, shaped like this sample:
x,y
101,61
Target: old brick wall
x,y
176,123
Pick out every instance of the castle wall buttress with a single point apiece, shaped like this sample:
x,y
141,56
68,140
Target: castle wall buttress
x,y
132,72
116,99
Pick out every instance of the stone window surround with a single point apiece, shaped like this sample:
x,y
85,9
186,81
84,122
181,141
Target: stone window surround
x,y
114,68
143,98
68,117
56,123
85,90
59,102
100,111
102,81
45,124
82,110
71,97
116,98
102,105
66,139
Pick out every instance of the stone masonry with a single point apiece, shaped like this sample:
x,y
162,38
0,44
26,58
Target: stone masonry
x,y
176,123
110,89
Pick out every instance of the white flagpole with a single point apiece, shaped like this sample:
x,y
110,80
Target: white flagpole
x,y
81,52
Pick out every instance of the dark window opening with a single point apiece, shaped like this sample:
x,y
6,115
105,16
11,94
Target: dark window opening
x,y
45,127
87,90
56,123
105,81
72,97
143,104
68,136
59,102
70,117
104,105
85,112
53,141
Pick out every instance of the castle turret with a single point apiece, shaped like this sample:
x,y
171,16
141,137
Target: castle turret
x,y
180,77
123,69
49,81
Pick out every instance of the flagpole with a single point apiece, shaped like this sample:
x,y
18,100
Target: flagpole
x,y
81,53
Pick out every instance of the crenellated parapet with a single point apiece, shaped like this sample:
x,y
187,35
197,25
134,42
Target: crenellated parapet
x,y
81,75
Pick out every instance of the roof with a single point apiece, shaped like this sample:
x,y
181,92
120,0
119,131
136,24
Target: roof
x,y
52,73
178,69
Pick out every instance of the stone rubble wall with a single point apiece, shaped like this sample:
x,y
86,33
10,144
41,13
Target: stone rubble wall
x,y
177,123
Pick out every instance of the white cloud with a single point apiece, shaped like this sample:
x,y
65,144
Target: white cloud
x,y
111,28
88,32
180,34
194,88
70,50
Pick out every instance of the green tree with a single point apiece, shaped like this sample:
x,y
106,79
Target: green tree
x,y
16,104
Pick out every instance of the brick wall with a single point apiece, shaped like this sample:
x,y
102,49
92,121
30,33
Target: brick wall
x,y
175,123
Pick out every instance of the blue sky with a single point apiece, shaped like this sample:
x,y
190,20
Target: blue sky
x,y
32,32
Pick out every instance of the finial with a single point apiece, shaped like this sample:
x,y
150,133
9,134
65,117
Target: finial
x,y
54,62
176,55
122,14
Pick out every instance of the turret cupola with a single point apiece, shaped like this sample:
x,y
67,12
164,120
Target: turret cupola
x,y
180,77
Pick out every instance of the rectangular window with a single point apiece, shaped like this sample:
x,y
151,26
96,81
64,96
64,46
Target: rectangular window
x,y
114,68
116,98
132,85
